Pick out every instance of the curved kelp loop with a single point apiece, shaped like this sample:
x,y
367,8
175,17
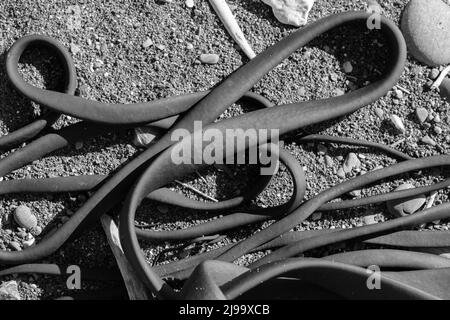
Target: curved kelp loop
x,y
32,129
106,113
284,118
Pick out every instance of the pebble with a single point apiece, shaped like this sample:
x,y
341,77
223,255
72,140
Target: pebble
x,y
160,46
24,217
397,123
98,63
147,43
351,162
301,91
74,48
36,231
78,145
15,245
333,76
209,58
369,219
190,3
434,73
293,12
421,114
144,136
329,161
426,28
9,291
29,243
341,173
428,140
321,149
406,206
348,68
437,130
355,193
398,94
379,112
338,92
189,46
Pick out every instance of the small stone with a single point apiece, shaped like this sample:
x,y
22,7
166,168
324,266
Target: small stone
x,y
434,73
329,161
421,114
22,234
321,149
190,3
397,123
147,43
293,12
398,94
316,216
379,112
74,48
29,243
406,206
426,28
144,136
36,231
301,91
355,193
333,76
209,58
189,46
437,130
369,219
9,291
341,173
78,145
351,162
347,66
98,63
437,119
24,217
428,140
15,245
338,92
160,46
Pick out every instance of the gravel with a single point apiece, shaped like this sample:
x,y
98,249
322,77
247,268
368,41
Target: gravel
x,y
127,52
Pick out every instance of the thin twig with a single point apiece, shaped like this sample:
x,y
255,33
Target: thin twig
x,y
441,77
403,89
196,190
396,143
201,177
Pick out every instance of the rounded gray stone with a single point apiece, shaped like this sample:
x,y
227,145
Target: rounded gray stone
x,y
406,206
24,217
426,28
209,58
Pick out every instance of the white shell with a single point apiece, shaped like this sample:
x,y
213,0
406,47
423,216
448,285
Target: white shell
x,y
293,12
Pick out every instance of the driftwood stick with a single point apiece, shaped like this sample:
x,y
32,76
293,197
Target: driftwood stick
x,y
226,16
135,288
